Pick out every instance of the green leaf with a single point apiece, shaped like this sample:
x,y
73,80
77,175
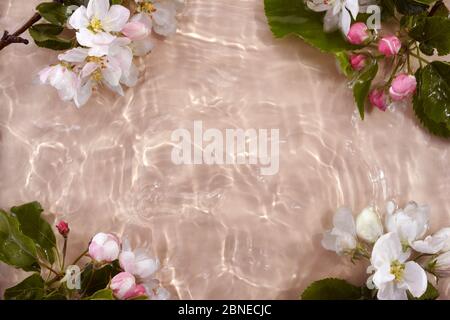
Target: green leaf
x,y
55,295
16,249
344,63
46,36
431,294
74,2
115,2
362,85
293,17
433,32
53,12
432,98
94,279
332,289
410,7
104,294
36,228
32,288
388,7
439,10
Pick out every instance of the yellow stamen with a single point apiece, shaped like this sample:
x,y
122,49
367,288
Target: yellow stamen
x,y
97,75
397,270
95,25
147,7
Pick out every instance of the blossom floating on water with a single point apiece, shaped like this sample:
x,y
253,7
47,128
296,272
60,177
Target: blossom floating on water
x,y
403,258
108,37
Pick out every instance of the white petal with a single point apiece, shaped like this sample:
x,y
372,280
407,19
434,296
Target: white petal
x,y
391,292
387,249
83,94
430,245
353,7
343,221
88,69
116,18
329,241
415,278
98,9
142,47
346,21
74,55
130,79
44,74
142,18
79,20
330,22
383,275
111,74
445,233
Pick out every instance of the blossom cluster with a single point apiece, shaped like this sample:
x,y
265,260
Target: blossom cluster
x,y
339,14
136,278
108,37
402,257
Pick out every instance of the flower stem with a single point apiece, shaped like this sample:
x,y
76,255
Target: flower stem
x,y
49,268
64,253
80,256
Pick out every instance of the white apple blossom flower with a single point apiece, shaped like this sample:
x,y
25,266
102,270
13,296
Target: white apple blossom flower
x,y
440,265
62,78
137,262
96,23
342,238
138,31
394,276
338,15
155,291
368,225
110,70
410,223
163,14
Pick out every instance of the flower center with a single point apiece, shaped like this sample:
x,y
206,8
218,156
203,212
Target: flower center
x,y
97,75
147,7
95,25
397,269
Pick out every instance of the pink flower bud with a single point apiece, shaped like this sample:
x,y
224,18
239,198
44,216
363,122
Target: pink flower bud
x,y
378,99
63,228
135,30
104,247
124,286
358,61
358,33
403,86
389,46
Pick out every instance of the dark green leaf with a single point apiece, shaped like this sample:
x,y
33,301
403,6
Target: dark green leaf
x,y
16,249
432,98
115,2
332,289
388,7
433,32
32,288
93,279
293,17
439,10
362,85
54,296
53,12
104,294
46,36
410,7
36,228
74,2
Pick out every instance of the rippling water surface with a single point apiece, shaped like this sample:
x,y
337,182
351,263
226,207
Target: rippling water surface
x,y
220,231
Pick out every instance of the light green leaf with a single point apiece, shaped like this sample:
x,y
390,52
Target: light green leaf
x,y
16,249
32,288
362,85
433,32
344,63
431,294
104,294
36,228
332,289
53,12
432,98
293,17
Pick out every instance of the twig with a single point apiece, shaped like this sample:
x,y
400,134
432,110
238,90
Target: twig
x,y
8,38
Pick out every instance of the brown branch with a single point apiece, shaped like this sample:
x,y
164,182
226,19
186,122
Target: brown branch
x,y
8,38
